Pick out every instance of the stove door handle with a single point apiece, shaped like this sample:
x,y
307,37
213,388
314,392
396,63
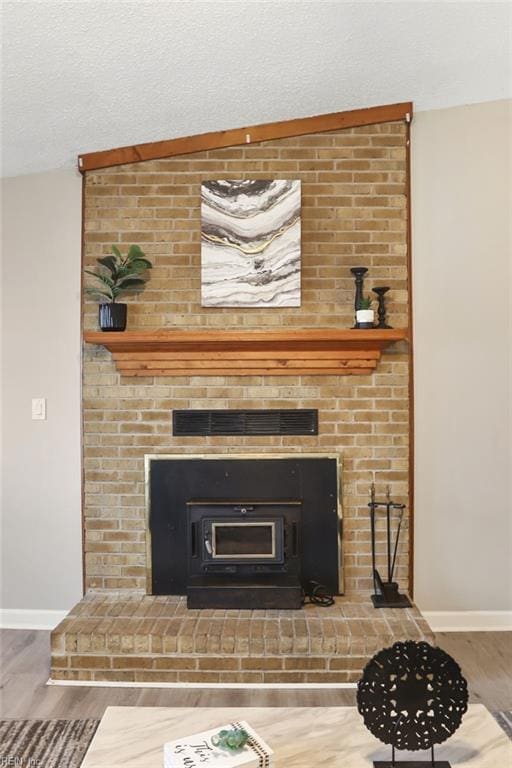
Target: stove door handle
x,y
243,510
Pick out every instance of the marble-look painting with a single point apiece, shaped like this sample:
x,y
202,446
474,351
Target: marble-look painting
x,y
250,243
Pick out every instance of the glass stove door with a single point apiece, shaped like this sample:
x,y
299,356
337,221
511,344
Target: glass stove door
x,y
239,540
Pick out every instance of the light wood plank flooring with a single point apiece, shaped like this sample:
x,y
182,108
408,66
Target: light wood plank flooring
x,y
485,658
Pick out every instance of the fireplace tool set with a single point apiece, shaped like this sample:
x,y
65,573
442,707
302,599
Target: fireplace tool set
x,y
386,594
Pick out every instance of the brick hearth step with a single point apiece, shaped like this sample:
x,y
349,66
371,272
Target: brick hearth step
x,y
113,636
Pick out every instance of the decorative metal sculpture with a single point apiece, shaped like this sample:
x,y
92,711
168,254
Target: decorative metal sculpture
x,y
412,696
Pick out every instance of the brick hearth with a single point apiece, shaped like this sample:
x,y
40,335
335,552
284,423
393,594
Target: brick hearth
x,y
125,636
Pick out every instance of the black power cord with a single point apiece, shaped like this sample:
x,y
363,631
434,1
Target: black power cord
x,y
317,594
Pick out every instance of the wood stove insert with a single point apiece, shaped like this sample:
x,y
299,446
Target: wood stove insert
x,y
244,554
243,531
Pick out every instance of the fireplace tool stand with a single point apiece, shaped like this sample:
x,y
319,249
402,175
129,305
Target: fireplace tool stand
x,y
386,594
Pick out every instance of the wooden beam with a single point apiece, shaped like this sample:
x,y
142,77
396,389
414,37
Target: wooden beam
x,y
411,460
186,145
163,338
317,352
247,372
263,354
233,365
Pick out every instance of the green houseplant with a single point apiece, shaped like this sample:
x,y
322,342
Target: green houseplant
x,y
117,275
364,313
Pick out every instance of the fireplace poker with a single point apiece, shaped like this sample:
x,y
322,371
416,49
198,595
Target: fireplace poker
x,y
388,529
401,507
372,506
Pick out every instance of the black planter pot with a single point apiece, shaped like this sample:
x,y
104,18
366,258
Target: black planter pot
x,y
112,317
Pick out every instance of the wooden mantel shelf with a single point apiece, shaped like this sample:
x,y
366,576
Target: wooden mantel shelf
x,y
246,353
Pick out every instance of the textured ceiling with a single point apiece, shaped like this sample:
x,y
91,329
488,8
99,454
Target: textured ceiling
x,y
89,75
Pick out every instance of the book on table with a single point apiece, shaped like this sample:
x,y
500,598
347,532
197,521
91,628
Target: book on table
x,y
198,751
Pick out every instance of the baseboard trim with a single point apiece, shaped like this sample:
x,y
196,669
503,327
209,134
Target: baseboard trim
x,y
469,621
21,618
242,686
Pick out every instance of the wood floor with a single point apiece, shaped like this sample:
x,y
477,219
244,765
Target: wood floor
x,y
485,658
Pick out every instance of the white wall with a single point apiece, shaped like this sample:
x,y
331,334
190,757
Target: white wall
x,y
41,523
461,206
462,260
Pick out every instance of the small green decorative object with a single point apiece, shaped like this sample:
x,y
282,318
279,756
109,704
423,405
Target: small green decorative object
x,y
233,739
365,302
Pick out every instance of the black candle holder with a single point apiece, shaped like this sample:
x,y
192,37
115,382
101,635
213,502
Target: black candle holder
x,y
359,273
381,291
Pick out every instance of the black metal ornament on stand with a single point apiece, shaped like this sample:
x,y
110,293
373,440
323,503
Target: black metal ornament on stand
x,y
386,594
359,273
381,291
412,696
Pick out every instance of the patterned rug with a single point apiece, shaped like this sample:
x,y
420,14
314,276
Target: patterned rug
x,y
45,743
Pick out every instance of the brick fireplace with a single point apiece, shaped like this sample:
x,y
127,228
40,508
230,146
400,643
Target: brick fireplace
x,y
354,212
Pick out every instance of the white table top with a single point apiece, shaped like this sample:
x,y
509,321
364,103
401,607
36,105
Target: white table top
x,y
320,737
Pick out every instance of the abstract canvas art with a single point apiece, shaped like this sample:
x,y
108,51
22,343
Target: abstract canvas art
x,y
250,243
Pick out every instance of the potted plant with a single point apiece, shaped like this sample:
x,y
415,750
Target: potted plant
x,y
116,275
364,313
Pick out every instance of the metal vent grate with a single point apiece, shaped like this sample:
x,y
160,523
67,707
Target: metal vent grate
x,y
291,421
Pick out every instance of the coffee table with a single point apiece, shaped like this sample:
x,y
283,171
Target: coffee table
x,y
330,737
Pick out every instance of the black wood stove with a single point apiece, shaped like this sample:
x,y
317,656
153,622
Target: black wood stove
x,y
243,532
244,554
